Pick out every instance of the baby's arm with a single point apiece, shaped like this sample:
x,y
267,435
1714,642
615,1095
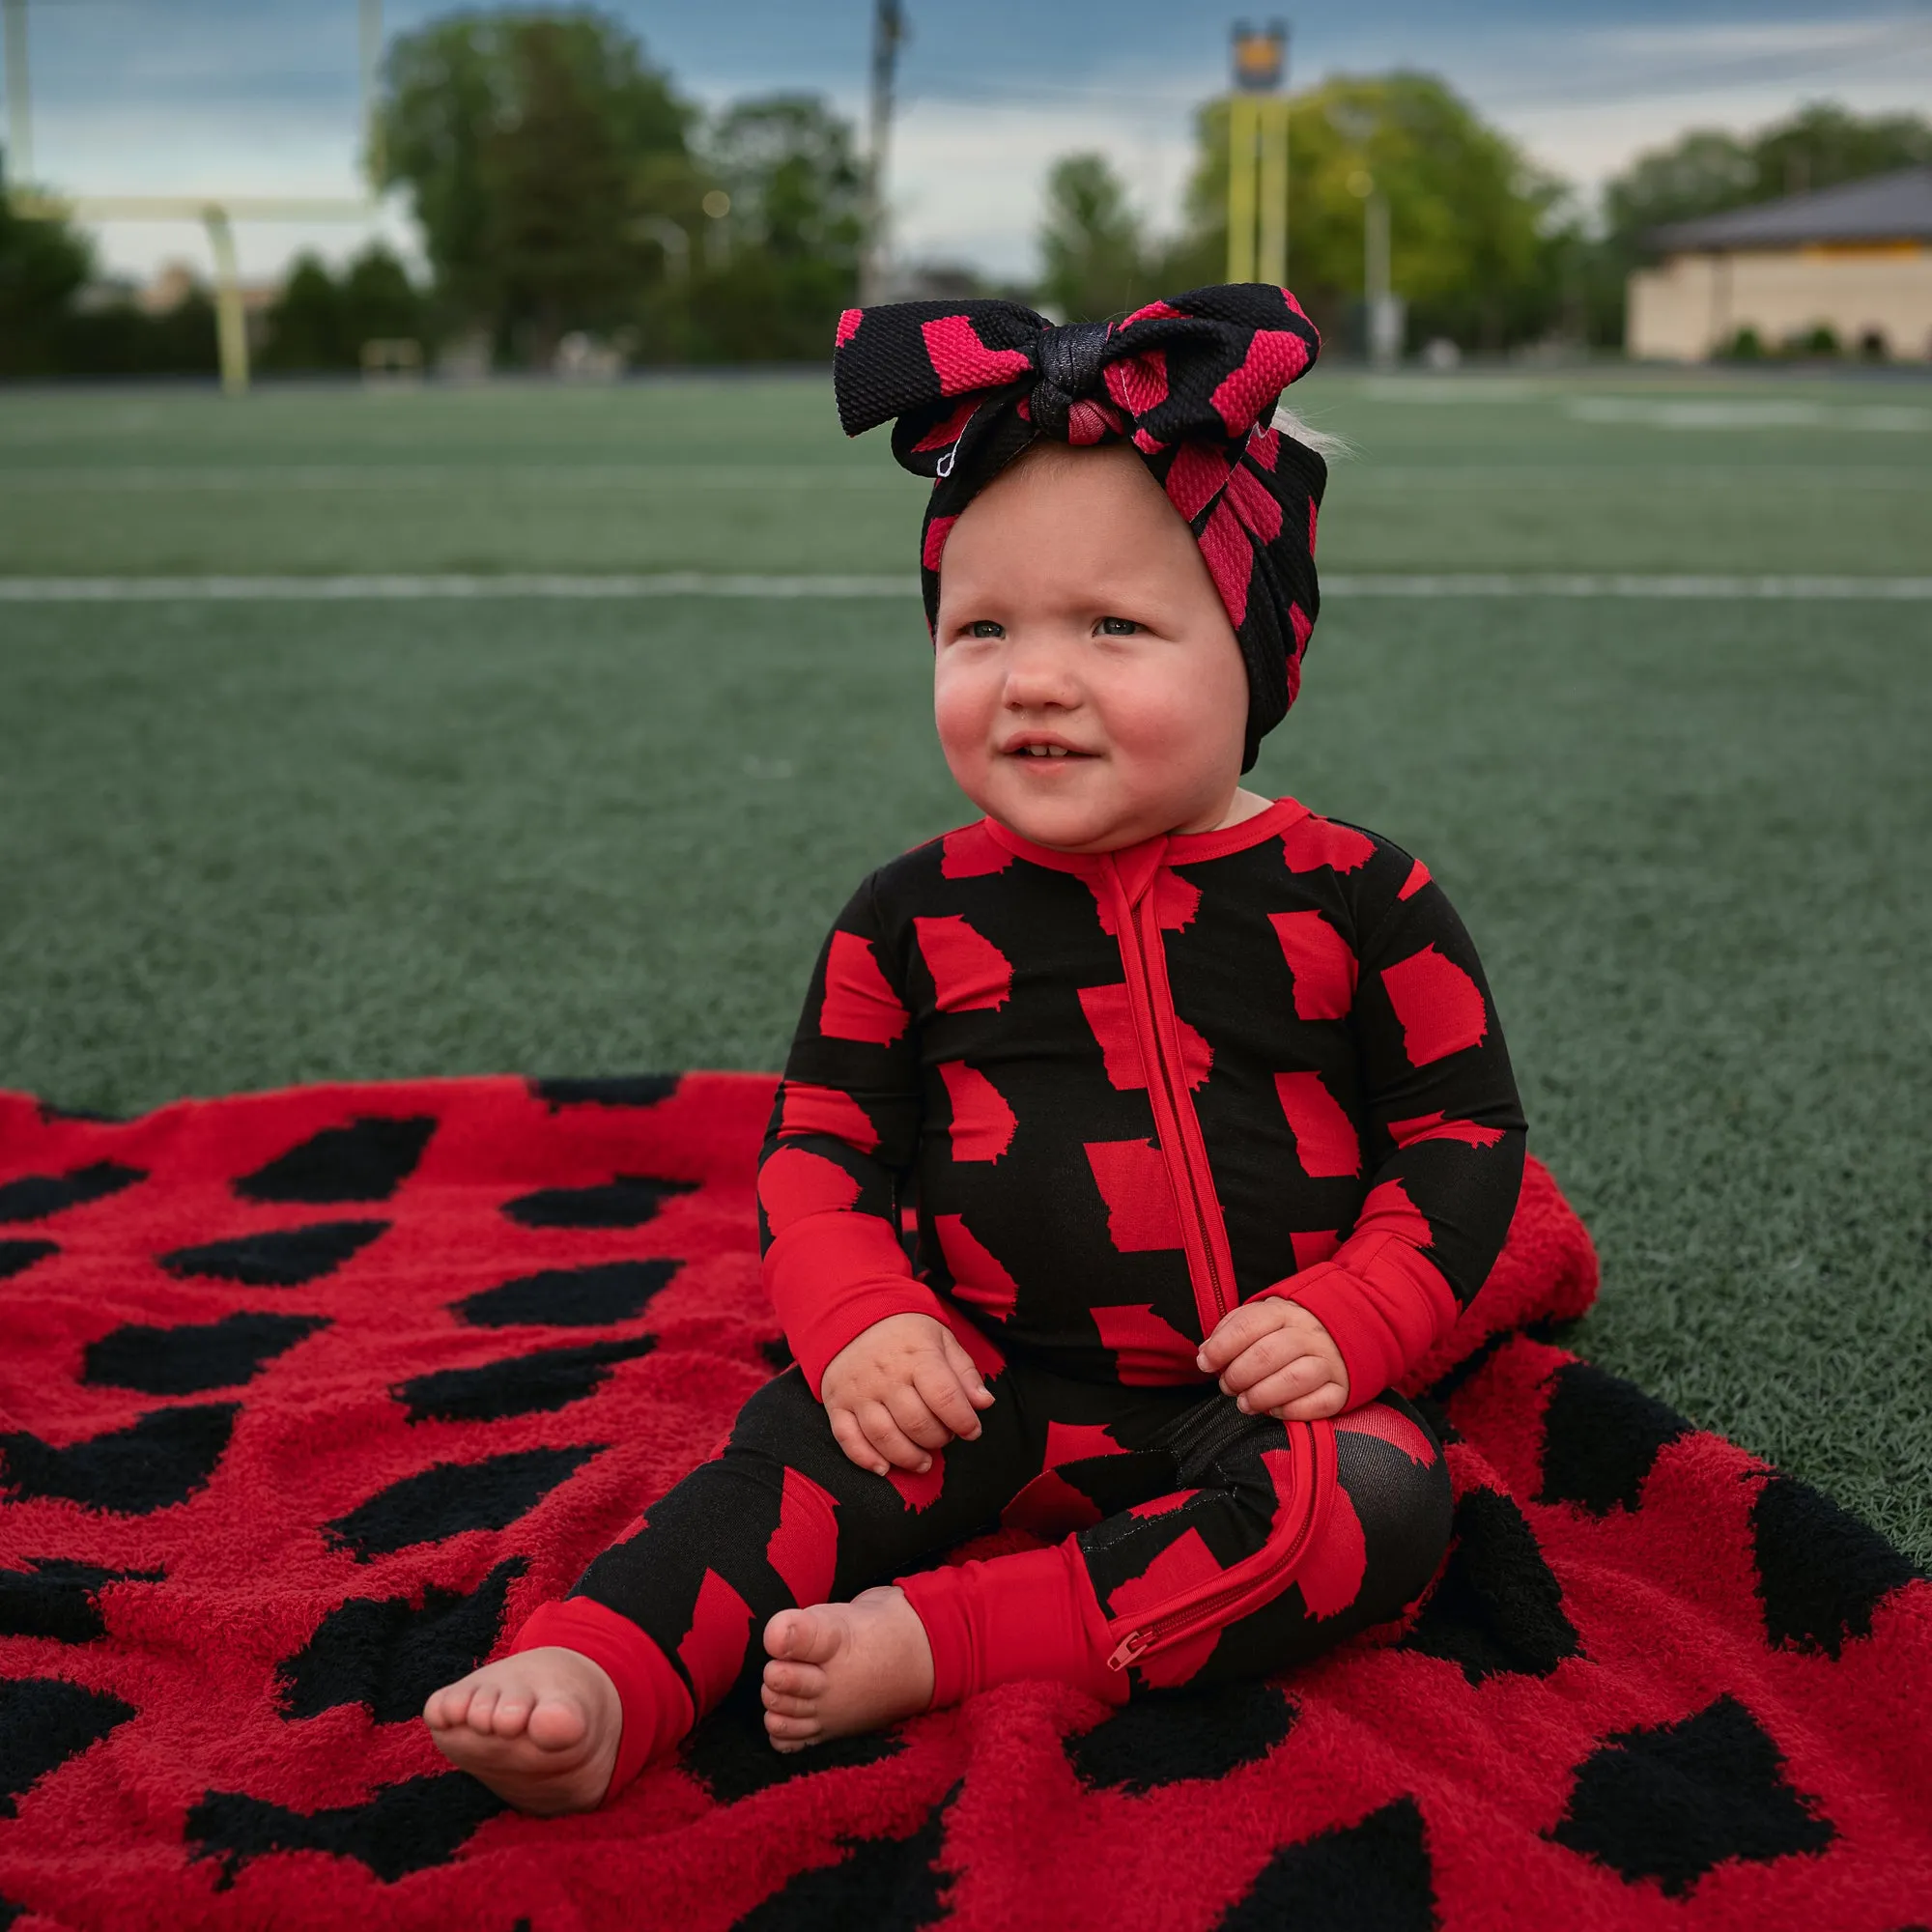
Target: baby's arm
x,y
868,1335
1444,1139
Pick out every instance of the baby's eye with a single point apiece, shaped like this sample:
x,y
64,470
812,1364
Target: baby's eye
x,y
985,627
1118,627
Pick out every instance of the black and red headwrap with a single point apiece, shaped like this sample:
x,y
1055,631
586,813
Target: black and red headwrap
x,y
1191,383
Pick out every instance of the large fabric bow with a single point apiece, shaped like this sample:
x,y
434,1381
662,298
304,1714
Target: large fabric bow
x,y
1191,383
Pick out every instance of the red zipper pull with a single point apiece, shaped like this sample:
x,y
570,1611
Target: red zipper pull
x,y
1127,1649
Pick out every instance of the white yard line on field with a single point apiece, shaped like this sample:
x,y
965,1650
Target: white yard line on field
x,y
699,584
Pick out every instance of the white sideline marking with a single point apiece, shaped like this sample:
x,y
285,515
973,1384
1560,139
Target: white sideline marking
x,y
699,584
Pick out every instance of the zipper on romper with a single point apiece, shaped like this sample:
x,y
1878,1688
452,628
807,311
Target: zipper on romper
x,y
1194,1190
1158,1633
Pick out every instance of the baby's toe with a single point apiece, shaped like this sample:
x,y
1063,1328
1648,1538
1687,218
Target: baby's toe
x,y
448,1707
556,1724
794,1680
789,1707
785,1729
482,1711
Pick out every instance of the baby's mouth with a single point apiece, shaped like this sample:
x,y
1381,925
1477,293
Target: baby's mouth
x,y
1048,751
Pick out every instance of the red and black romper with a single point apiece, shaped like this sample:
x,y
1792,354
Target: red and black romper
x,y
1079,1107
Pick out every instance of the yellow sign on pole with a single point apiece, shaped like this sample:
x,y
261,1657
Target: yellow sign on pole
x,y
1258,156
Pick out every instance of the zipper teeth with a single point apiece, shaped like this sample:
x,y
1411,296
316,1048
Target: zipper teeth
x,y
1175,1092
1145,1636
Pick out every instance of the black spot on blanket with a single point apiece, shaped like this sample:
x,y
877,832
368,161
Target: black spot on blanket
x,y
152,1464
1821,1573
43,1721
390,1654
35,1196
1601,1436
730,1752
17,1256
1497,1607
628,1201
448,1498
56,1598
1671,1802
601,1295
1164,1739
367,1161
188,1359
283,1258
620,1090
548,1378
405,1828
890,1884
1371,1877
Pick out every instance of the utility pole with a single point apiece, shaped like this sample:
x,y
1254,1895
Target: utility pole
x,y
889,32
20,121
373,158
1258,156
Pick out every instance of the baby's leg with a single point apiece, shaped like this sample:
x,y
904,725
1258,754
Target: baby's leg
x,y
1242,1566
664,1623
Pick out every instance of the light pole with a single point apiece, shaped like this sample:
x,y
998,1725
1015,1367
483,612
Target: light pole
x,y
1382,314
374,159
888,31
1257,155
20,119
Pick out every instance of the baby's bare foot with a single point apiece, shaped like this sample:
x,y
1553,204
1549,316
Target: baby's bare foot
x,y
539,1728
838,1669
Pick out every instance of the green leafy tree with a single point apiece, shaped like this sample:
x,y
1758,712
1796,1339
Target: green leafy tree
x,y
1709,171
790,167
44,265
534,147
322,323
304,327
1093,254
1473,225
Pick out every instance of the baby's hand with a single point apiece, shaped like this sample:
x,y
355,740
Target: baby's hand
x,y
899,1388
1276,1359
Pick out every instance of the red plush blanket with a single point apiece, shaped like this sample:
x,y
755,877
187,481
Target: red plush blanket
x,y
307,1398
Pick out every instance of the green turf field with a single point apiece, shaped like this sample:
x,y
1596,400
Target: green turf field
x,y
250,843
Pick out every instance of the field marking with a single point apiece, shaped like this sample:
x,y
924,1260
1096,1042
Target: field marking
x,y
614,479
151,479
699,583
1767,412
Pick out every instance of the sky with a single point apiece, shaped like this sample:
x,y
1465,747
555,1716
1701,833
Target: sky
x,y
164,97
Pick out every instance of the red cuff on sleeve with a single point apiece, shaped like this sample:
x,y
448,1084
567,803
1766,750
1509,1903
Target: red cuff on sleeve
x,y
1384,1305
657,1707
830,1276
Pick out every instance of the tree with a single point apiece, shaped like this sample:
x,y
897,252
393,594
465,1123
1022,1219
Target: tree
x,y
320,322
797,217
1092,249
534,145
1710,171
1472,224
44,265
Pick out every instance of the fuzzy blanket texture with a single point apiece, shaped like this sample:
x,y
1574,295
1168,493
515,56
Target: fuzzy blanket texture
x,y
306,1399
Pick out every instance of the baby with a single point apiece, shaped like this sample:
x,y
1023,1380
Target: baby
x,y
1198,1099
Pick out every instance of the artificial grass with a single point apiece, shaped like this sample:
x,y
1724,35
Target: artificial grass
x,y
714,474
255,844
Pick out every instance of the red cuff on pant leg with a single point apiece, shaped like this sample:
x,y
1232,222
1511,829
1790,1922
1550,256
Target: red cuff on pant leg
x,y
656,1705
1029,1615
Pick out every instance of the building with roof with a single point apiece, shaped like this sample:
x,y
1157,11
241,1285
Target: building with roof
x,y
1856,260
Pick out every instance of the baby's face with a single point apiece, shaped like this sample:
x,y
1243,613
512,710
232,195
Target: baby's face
x,y
1087,684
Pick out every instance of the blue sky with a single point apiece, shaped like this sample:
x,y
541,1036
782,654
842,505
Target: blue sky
x,y
260,95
